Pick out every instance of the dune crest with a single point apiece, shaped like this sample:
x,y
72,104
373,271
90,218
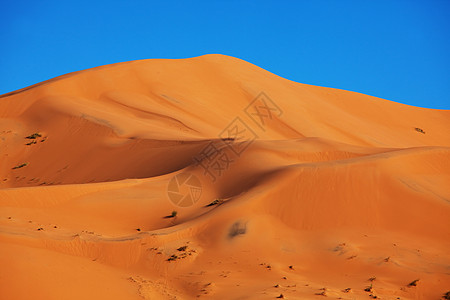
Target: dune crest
x,y
211,177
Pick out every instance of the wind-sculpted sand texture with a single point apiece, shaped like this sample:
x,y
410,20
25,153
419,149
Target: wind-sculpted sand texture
x,y
212,178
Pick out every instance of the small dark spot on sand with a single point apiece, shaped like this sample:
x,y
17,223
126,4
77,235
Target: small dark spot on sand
x,y
237,229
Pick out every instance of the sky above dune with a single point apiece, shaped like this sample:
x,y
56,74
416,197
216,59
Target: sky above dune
x,y
396,50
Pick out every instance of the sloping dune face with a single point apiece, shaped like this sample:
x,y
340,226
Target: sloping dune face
x,y
210,177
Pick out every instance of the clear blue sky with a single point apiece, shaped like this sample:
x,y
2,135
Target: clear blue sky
x,y
397,50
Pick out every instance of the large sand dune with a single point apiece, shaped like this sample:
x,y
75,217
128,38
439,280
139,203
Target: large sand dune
x,y
285,189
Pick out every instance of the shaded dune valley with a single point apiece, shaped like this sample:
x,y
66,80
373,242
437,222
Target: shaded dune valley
x,y
211,178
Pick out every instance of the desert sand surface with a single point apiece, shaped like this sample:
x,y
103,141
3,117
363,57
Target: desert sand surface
x,y
212,178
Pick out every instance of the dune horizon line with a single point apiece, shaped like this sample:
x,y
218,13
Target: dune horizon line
x,y
212,177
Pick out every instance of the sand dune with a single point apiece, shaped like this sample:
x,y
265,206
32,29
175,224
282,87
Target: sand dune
x,y
279,189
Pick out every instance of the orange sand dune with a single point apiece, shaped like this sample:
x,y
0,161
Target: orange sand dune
x,y
279,189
